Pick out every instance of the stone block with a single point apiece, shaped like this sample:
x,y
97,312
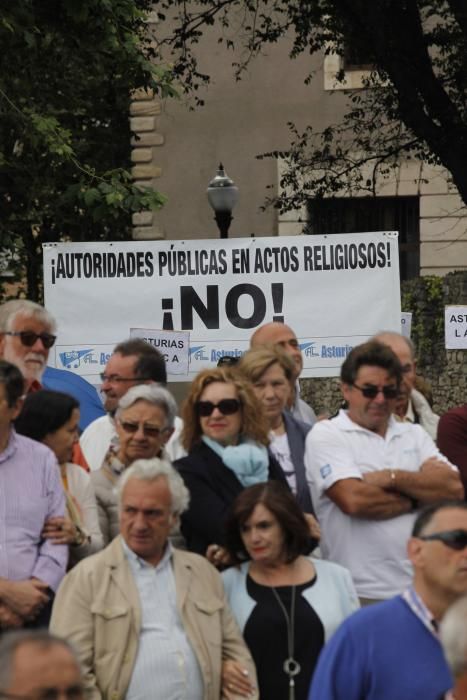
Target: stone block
x,y
148,138
442,205
142,94
142,123
145,109
146,172
444,229
141,155
142,218
291,228
148,233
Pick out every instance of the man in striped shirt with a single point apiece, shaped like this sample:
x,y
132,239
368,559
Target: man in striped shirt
x,y
30,493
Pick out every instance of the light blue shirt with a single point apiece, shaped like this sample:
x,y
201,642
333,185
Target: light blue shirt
x,y
166,667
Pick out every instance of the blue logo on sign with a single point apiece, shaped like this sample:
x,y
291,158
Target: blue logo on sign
x,y
197,353
309,349
72,359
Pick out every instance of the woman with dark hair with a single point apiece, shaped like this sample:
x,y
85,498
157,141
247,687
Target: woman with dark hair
x,y
286,603
52,417
226,437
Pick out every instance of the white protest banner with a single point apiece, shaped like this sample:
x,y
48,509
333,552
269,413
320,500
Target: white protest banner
x,y
175,346
455,327
334,291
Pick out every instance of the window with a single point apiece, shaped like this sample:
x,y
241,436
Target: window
x,y
360,214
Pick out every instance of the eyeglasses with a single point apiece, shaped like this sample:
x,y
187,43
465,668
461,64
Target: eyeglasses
x,y
116,379
148,430
454,539
227,361
28,338
226,406
73,692
370,391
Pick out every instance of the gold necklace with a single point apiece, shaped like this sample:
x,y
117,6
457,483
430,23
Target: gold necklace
x,y
291,666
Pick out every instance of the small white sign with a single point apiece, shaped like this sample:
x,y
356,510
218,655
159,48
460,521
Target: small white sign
x,y
174,346
406,323
455,327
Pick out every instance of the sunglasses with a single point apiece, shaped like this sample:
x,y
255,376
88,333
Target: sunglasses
x,y
227,361
454,539
370,391
148,430
28,338
226,406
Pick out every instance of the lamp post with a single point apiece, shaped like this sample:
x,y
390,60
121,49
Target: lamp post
x,y
222,196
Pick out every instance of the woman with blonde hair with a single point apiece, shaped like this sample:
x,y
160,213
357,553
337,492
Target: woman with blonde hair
x,y
271,373
226,437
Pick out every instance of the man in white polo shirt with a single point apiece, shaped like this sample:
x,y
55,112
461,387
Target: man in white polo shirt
x,y
368,474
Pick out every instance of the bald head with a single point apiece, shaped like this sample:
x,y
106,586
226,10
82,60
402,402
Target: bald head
x,y
279,334
404,350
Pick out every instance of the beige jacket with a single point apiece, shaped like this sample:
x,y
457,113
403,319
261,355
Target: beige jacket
x,y
97,609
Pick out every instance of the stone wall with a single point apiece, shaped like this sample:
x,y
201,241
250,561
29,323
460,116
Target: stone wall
x,y
446,370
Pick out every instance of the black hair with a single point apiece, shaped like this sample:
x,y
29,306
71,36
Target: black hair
x,y
44,412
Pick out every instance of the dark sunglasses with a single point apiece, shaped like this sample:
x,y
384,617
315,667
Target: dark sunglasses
x,y
28,338
148,430
454,539
370,391
227,361
227,407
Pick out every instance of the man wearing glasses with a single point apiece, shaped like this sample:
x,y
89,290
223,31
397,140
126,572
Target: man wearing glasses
x,y
392,650
27,332
368,474
35,665
132,362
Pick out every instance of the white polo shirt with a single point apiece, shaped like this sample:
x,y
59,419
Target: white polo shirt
x,y
373,550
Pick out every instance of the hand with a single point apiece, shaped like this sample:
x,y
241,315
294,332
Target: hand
x,y
25,598
9,619
218,556
315,530
60,531
235,680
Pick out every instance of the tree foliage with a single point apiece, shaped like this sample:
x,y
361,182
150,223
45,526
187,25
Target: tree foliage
x,y
67,71
415,102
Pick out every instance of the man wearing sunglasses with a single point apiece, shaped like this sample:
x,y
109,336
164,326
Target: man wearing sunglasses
x,y
392,650
27,332
368,474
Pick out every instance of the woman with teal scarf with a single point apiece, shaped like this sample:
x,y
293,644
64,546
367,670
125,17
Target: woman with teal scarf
x,y
226,436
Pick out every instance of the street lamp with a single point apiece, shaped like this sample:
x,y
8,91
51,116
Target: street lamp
x,y
222,196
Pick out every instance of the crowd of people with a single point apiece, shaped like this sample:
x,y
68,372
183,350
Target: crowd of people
x,y
245,548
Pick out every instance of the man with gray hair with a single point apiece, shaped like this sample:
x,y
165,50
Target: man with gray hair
x,y
411,405
36,664
453,633
144,421
27,332
149,621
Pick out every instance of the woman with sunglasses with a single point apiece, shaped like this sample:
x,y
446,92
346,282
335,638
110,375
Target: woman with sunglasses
x,y
226,437
286,603
52,417
271,372
144,422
